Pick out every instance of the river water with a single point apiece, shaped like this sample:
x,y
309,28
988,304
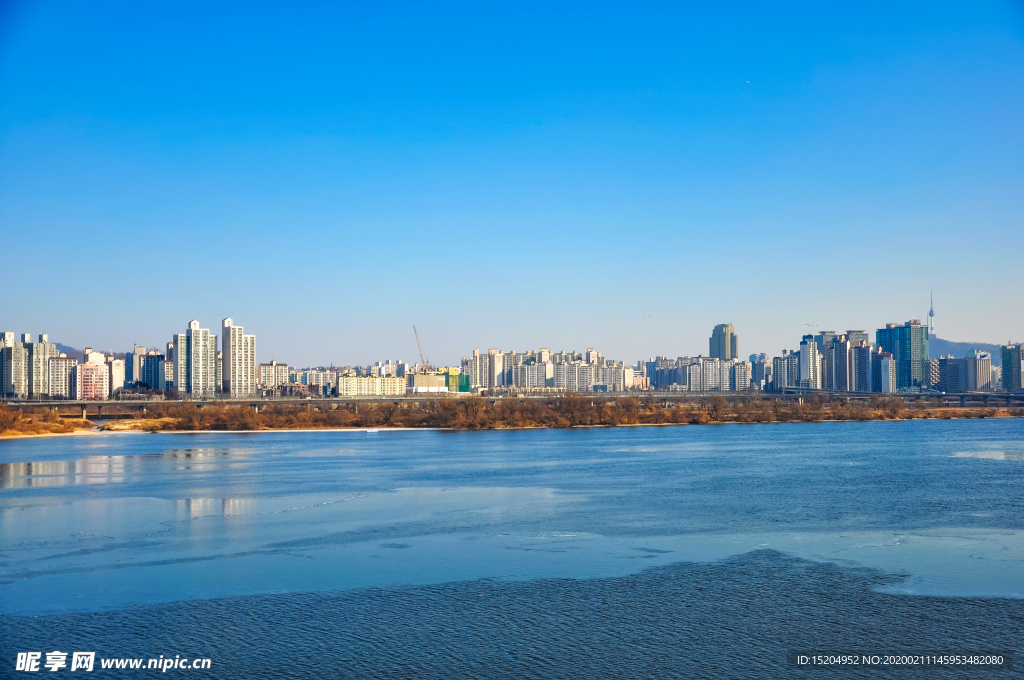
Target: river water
x,y
715,551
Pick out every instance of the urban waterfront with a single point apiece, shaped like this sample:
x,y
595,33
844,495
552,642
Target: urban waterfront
x,y
626,552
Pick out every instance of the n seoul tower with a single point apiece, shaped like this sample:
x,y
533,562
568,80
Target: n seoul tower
x,y
931,316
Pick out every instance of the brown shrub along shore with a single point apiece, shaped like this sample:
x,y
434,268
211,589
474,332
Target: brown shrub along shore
x,y
14,422
475,413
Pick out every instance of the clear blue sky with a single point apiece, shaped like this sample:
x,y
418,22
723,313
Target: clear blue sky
x,y
509,175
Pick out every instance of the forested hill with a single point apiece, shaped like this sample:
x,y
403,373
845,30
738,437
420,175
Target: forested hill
x,y
938,347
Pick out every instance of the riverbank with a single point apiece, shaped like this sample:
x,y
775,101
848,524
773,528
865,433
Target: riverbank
x,y
480,414
15,424
72,433
565,412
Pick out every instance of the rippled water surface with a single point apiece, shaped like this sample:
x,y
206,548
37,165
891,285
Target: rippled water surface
x,y
626,552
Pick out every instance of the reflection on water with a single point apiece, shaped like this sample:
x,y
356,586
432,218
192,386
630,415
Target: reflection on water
x,y
191,508
107,469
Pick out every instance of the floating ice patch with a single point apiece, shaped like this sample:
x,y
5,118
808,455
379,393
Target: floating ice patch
x,y
991,455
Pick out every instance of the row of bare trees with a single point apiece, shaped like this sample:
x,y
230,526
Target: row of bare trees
x,y
476,413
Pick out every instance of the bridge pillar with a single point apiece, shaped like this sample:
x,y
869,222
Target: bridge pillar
x,y
963,401
143,409
99,411
85,413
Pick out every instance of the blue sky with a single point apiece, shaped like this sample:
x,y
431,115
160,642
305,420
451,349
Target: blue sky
x,y
509,175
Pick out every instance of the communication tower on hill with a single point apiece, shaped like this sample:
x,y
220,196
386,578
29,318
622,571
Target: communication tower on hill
x,y
931,316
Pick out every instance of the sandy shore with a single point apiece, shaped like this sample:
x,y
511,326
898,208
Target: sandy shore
x,y
75,433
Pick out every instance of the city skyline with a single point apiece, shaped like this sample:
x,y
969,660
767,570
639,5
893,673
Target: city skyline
x,y
898,358
565,176
411,355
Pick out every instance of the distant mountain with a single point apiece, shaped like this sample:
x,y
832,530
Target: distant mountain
x,y
938,347
80,354
70,351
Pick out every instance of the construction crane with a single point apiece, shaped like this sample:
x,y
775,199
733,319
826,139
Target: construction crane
x,y
419,347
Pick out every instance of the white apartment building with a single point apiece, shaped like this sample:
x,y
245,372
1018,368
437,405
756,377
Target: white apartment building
x,y
62,376
272,375
478,368
613,377
810,363
739,376
195,361
786,370
13,367
579,377
238,356
532,376
38,365
116,373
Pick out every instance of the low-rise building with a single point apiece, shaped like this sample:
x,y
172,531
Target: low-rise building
x,y
272,375
360,386
426,383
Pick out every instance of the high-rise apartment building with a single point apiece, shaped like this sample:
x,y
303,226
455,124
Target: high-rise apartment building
x,y
1011,369
979,371
883,371
761,371
218,366
839,365
13,367
810,363
133,365
823,340
496,368
152,372
785,371
195,361
860,369
478,368
739,376
116,374
176,364
952,374
723,343
238,356
908,344
92,381
38,365
62,377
